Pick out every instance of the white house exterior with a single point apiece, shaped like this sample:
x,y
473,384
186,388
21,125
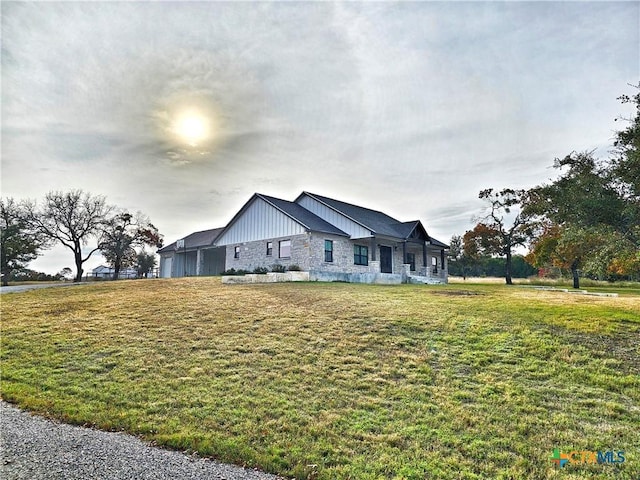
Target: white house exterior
x,y
330,239
107,272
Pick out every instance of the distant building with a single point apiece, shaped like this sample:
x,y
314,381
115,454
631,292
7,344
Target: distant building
x,y
330,239
107,272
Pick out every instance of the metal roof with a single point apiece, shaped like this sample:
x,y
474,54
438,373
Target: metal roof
x,y
304,217
203,238
378,222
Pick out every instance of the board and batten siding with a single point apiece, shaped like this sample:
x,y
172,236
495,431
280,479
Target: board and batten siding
x,y
260,221
355,230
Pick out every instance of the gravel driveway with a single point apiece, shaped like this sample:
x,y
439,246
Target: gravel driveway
x,y
35,286
34,448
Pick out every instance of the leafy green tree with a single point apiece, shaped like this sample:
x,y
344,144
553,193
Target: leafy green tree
x,y
503,228
145,263
625,175
584,214
71,218
569,247
626,163
460,263
19,242
122,234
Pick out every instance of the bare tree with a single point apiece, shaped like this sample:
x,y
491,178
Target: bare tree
x,y
72,218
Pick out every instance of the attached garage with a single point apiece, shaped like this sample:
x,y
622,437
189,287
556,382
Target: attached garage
x,y
193,255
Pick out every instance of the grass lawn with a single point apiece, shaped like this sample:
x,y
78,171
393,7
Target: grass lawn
x,y
338,381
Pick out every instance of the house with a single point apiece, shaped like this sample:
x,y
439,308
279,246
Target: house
x,y
330,239
193,255
107,272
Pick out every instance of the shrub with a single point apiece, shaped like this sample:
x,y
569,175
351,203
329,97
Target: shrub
x,y
277,268
294,268
233,271
260,270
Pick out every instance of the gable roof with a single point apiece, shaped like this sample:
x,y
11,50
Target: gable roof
x,y
377,222
438,243
304,217
202,238
405,229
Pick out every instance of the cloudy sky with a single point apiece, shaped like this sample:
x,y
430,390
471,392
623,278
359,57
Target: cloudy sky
x,y
184,110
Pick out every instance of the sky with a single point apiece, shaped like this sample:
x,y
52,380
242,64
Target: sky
x,y
183,110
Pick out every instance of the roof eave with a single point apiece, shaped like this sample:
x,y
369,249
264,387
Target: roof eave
x,y
373,232
306,227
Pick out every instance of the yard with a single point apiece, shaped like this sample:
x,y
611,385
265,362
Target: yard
x,y
338,381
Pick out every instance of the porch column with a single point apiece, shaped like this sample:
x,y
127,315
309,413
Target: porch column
x,y
198,260
404,252
372,247
424,256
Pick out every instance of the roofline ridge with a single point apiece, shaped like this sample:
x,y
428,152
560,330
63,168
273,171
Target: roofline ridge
x,y
266,199
314,196
353,205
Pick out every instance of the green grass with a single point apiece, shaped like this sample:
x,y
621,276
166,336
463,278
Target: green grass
x,y
338,381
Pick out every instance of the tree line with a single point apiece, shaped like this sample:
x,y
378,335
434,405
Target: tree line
x,y
586,222
74,219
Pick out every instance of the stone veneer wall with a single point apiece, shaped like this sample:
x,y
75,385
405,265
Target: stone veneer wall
x,y
307,251
254,254
342,254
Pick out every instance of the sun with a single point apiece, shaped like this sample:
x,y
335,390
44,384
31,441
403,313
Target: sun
x,y
192,128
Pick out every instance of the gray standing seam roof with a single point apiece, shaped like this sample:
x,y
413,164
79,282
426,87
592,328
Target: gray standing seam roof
x,y
376,221
197,239
303,216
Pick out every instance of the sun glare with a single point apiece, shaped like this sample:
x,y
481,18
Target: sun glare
x,y
192,128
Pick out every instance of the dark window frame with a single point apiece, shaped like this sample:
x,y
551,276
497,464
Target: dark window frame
x,y
280,255
236,252
361,255
269,249
328,252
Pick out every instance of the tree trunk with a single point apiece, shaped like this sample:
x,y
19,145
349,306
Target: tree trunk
x,y
77,253
116,269
507,269
574,273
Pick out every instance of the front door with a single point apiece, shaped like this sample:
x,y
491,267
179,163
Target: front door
x,y
386,265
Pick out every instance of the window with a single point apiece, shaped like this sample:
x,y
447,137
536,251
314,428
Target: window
x,y
269,249
360,255
411,260
434,264
284,248
236,252
328,250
